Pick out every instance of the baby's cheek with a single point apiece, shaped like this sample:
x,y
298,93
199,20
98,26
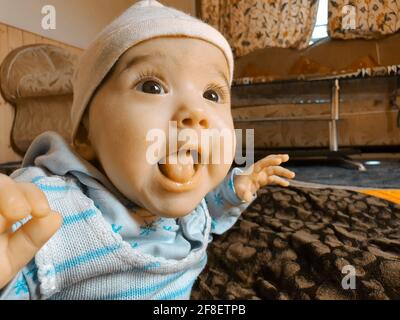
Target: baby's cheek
x,y
217,173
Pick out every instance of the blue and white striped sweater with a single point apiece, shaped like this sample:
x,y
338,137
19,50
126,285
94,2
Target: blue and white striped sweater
x,y
100,252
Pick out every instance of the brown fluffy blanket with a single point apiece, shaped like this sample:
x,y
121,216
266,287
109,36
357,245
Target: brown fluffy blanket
x,y
293,244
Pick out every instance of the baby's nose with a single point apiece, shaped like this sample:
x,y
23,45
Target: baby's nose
x,y
194,119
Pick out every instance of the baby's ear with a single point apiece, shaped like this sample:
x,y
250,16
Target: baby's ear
x,y
81,141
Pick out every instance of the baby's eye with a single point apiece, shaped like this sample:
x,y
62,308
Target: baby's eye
x,y
211,95
151,87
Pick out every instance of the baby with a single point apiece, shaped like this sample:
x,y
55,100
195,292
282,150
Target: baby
x,y
98,219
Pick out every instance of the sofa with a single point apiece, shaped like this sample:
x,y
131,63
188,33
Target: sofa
x,y
37,81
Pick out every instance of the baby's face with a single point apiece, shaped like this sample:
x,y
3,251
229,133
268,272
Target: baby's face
x,y
158,81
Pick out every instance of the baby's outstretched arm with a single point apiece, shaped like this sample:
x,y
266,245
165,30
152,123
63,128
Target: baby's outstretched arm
x,y
227,201
264,172
224,205
19,201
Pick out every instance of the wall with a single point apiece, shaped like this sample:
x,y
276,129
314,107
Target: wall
x,y
78,21
11,38
188,6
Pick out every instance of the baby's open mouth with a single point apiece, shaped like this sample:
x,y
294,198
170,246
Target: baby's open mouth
x,y
180,166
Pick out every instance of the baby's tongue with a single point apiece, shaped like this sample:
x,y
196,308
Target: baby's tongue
x,y
178,168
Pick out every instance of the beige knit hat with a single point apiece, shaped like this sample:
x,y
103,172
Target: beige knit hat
x,y
144,20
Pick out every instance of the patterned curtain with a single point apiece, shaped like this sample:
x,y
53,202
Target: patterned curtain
x,y
254,24
349,19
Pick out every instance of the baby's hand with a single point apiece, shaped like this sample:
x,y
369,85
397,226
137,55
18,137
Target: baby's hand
x,y
263,172
17,201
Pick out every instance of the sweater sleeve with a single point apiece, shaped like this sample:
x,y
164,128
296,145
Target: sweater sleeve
x,y
224,205
24,286
17,289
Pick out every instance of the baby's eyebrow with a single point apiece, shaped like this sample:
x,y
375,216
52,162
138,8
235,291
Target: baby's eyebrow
x,y
144,58
161,55
223,76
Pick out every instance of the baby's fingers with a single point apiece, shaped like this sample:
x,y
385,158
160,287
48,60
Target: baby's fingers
x,y
27,240
280,171
13,205
36,199
278,181
272,160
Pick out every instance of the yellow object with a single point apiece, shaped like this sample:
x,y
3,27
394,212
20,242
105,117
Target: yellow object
x,y
392,195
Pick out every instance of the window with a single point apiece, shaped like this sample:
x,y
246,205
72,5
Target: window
x,y
321,25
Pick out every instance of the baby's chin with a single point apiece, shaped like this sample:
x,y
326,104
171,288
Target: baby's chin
x,y
177,211
174,207
174,214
